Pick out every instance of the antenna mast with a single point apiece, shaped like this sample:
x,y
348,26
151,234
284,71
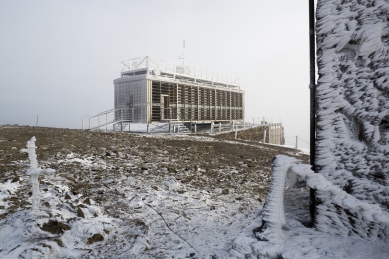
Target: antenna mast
x,y
183,54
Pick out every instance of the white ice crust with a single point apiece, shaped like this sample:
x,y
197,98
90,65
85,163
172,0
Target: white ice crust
x,y
353,114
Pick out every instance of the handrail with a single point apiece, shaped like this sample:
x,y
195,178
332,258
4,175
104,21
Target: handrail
x,y
178,68
285,172
106,118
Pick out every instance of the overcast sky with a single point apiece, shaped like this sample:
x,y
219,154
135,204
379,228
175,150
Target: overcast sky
x,y
58,59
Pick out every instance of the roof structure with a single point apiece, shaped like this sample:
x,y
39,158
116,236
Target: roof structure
x,y
177,71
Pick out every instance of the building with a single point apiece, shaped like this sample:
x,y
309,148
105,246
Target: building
x,y
156,90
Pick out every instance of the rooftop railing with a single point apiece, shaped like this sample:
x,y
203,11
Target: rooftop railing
x,y
178,68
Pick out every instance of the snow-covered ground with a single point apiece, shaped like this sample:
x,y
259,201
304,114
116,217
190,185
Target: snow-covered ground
x,y
124,202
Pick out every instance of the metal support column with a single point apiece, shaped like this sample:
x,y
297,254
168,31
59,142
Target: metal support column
x,y
312,87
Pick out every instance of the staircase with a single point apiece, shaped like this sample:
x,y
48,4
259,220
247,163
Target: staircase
x,y
179,127
119,117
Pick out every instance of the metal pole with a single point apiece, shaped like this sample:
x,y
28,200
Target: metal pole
x,y
212,127
236,133
195,127
312,87
220,127
296,142
148,131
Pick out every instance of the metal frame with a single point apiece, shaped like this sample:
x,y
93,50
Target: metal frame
x,y
110,117
194,103
161,67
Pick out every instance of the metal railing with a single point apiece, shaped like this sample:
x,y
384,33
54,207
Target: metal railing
x,y
106,118
178,68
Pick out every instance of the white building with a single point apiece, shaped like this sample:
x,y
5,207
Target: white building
x,y
153,90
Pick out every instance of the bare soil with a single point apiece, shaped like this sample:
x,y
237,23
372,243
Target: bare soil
x,y
202,162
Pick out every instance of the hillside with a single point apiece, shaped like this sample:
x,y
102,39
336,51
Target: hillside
x,y
129,195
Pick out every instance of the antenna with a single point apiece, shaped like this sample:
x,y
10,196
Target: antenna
x,y
183,54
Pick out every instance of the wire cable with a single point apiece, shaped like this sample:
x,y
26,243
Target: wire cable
x,y
303,140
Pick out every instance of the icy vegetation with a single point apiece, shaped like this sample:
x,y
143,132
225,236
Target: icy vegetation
x,y
353,113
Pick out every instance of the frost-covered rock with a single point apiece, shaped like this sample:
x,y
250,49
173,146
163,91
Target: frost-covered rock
x,y
353,112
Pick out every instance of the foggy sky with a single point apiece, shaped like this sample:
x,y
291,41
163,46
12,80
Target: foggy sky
x,y
58,59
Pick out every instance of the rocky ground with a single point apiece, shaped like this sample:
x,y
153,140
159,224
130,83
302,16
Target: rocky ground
x,y
137,195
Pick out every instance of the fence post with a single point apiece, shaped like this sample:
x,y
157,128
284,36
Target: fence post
x,y
296,142
212,127
220,127
236,133
195,127
148,129
264,136
129,127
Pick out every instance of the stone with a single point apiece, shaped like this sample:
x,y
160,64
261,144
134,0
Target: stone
x,y
80,213
55,227
59,242
87,201
95,238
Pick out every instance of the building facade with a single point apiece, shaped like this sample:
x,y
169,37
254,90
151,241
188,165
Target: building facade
x,y
156,90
